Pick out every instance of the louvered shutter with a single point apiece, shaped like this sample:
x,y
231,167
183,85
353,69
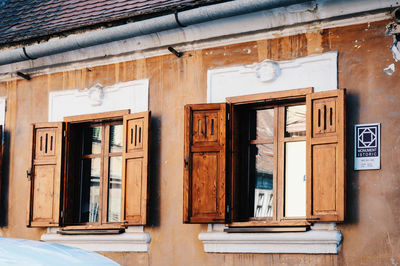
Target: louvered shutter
x,y
205,163
135,165
326,156
45,174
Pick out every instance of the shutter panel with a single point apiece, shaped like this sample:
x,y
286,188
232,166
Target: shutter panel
x,y
45,175
135,167
326,156
205,159
1,155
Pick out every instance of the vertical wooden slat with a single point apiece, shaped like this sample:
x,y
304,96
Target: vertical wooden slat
x,y
205,158
326,156
1,154
135,174
44,176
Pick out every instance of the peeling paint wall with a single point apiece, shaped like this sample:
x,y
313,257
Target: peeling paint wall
x,y
371,232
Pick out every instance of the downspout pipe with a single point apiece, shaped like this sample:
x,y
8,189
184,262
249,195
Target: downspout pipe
x,y
135,29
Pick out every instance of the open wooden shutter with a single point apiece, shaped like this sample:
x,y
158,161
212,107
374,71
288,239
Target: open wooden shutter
x,y
1,155
326,156
45,174
135,167
205,159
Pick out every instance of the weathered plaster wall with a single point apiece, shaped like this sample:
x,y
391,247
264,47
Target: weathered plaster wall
x,y
371,232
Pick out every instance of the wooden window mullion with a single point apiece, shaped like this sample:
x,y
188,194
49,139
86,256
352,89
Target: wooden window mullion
x,y
280,162
105,172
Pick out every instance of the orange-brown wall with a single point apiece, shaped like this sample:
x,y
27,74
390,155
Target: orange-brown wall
x,y
371,233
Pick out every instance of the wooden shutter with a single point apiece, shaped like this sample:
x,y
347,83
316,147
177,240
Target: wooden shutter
x,y
326,156
1,155
45,174
135,167
205,159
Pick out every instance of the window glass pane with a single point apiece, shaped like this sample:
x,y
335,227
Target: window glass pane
x,y
261,124
116,138
90,184
295,124
295,179
114,189
92,140
261,174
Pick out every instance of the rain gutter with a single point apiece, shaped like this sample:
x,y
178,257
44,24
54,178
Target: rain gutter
x,y
140,28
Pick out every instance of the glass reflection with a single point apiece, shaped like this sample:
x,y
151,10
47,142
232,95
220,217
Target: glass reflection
x,y
295,179
295,122
114,189
261,172
90,183
261,124
116,138
92,140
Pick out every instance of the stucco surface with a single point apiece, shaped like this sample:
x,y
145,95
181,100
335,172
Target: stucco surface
x,y
371,232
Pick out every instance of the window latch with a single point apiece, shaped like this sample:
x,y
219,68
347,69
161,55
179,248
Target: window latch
x,y
187,163
29,174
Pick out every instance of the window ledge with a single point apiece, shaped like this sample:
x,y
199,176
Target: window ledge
x,y
134,239
321,239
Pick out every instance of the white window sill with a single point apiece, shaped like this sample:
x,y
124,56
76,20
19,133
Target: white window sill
x,y
321,239
134,239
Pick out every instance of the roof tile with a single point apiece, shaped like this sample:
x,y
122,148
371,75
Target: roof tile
x,y
32,19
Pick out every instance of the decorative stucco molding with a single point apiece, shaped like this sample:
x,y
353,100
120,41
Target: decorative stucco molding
x,y
321,239
134,239
131,95
317,71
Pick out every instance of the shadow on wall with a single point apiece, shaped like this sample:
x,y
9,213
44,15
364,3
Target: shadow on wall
x,y
352,178
5,180
155,174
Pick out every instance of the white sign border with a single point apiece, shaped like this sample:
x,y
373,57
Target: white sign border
x,y
377,159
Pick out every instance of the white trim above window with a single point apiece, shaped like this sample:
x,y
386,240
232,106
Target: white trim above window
x,y
322,239
131,95
318,71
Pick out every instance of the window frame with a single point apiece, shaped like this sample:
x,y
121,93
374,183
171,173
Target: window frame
x,y
325,149
259,102
104,157
51,201
82,121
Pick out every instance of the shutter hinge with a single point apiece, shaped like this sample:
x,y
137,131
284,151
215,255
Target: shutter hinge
x,y
187,163
62,214
64,133
227,208
229,116
29,174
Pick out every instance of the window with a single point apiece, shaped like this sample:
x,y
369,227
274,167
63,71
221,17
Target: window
x,y
274,159
90,171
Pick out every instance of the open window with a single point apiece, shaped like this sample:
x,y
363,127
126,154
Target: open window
x,y
90,171
273,159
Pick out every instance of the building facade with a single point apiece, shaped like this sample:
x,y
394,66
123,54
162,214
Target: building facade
x,y
126,179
